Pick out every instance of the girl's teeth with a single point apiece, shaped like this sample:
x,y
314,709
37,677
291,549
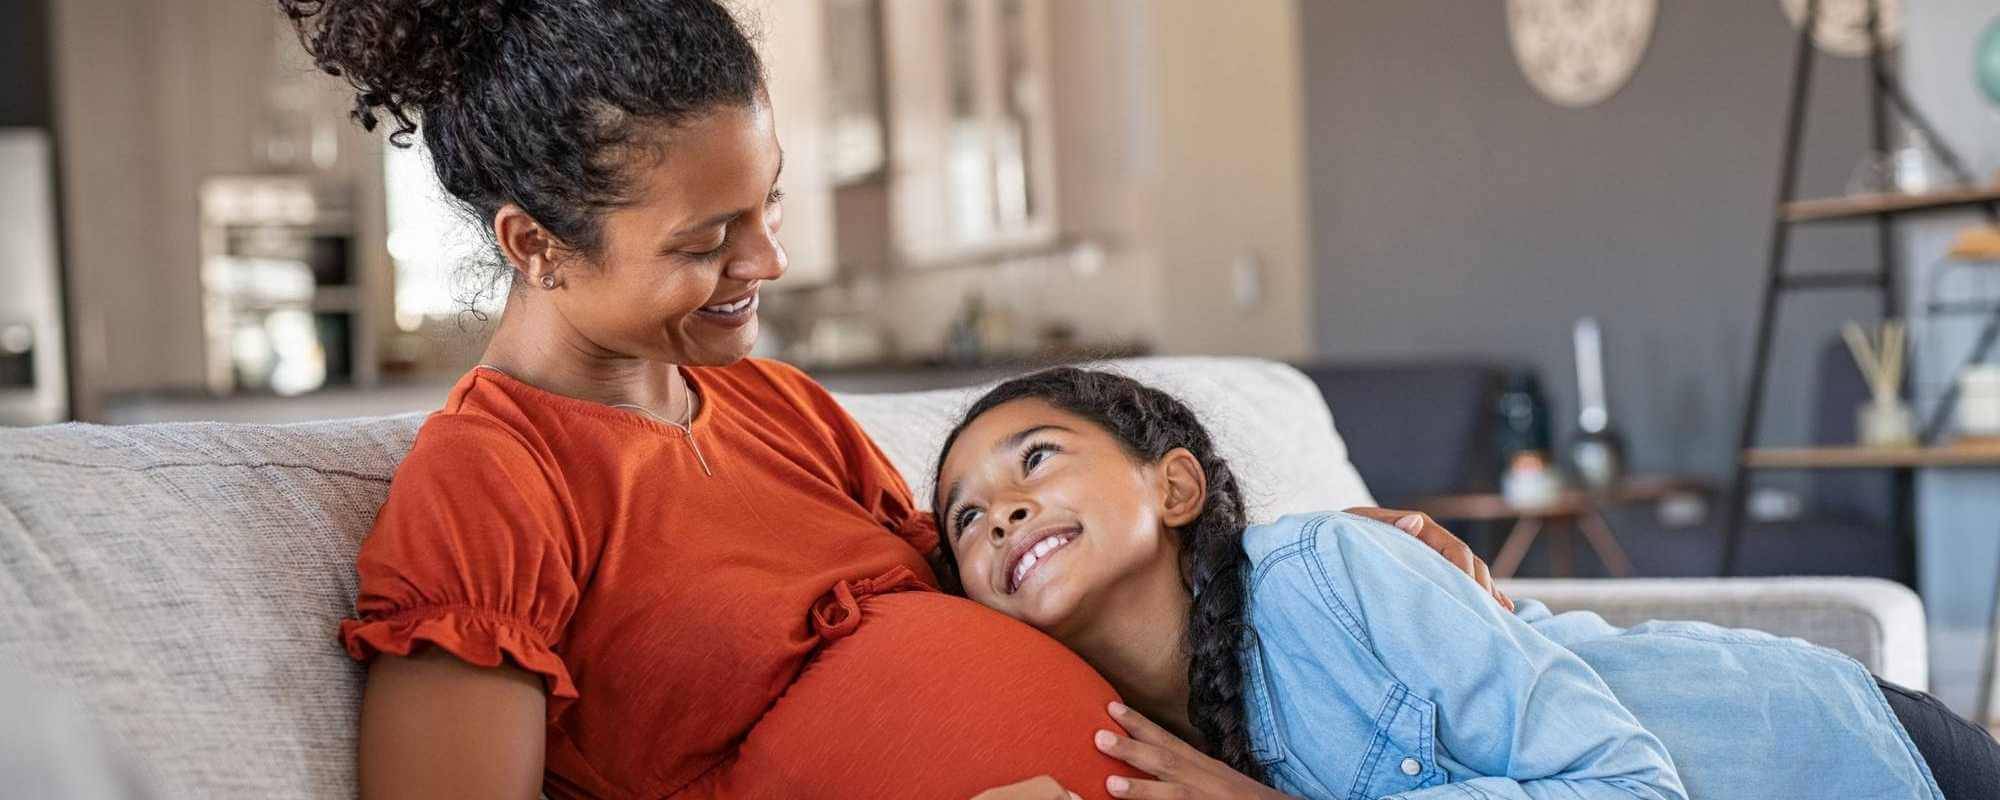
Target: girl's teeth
x,y
1035,555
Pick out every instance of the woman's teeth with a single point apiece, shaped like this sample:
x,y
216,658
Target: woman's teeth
x,y
729,308
1035,555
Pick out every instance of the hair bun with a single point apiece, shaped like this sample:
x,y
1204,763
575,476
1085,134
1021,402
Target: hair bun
x,y
401,56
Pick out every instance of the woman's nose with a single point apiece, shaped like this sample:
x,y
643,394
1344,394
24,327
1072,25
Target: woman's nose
x,y
761,259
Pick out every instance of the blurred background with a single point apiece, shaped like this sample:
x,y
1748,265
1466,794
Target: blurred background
x,y
1521,246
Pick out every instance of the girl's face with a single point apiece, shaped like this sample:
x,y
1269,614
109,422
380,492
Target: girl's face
x,y
678,278
1048,515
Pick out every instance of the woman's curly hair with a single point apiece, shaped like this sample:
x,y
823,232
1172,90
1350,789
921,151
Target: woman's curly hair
x,y
532,102
1150,423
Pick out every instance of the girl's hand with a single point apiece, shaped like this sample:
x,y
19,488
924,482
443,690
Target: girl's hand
x,y
1434,536
1042,788
1182,772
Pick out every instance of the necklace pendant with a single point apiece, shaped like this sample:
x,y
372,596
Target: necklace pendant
x,y
688,434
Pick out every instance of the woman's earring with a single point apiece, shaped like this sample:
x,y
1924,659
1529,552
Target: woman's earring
x,y
549,280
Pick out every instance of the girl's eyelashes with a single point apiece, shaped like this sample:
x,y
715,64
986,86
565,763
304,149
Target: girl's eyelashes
x,y
961,519
1036,454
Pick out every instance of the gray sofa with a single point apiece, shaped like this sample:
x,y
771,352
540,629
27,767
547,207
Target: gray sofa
x,y
181,584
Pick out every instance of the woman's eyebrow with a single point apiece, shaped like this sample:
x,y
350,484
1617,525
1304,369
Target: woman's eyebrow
x,y
1009,443
727,217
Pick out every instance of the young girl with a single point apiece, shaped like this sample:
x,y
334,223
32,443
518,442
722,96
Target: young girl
x,y
1330,657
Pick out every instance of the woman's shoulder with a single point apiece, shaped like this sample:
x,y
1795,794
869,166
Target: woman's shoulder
x,y
478,414
481,429
486,409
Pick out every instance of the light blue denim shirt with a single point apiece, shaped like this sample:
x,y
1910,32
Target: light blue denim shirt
x,y
1378,670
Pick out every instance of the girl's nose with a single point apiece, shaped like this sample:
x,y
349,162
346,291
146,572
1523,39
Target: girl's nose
x,y
1012,518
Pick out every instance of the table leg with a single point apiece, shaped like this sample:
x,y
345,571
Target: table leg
x,y
1562,549
1516,547
1597,531
1983,710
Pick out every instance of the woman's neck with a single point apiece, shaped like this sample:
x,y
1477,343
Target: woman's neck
x,y
535,345
1140,646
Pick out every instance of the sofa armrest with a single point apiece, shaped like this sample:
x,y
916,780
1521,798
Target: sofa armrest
x,y
1878,622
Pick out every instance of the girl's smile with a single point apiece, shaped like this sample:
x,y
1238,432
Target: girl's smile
x,y
1050,518
1035,550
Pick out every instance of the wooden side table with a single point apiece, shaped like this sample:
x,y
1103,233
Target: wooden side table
x,y
1573,511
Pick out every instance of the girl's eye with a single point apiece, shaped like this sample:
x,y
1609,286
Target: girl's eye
x,y
962,520
1036,455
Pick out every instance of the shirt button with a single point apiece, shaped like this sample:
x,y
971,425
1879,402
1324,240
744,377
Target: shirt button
x,y
1411,767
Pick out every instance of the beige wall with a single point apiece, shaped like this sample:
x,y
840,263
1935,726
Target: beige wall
x,y
1179,147
1231,189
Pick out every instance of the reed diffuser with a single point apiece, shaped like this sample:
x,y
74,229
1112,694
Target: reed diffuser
x,y
1886,420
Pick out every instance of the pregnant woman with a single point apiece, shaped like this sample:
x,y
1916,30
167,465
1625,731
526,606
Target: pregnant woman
x,y
624,560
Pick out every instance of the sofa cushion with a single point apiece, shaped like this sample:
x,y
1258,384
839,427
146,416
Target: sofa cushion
x,y
1880,623
185,582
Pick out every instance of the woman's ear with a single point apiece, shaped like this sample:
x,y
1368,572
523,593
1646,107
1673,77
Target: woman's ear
x,y
528,247
1186,487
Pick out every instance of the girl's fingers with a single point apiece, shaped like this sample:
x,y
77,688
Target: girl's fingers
x,y
1143,729
1145,790
1151,759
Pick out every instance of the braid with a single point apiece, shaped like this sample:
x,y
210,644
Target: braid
x,y
1212,548
1150,423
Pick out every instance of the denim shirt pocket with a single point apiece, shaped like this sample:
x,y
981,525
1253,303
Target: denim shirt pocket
x,y
1403,753
1267,734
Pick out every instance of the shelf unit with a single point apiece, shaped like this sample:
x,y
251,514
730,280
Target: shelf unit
x,y
1833,209
285,292
1881,210
1969,453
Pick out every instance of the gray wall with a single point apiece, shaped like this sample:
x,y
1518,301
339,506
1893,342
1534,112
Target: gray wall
x,y
24,64
1457,212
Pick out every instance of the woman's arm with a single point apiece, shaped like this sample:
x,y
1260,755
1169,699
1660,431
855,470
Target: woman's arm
x,y
1525,712
435,726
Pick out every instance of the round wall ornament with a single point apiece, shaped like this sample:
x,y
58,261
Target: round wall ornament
x,y
1576,53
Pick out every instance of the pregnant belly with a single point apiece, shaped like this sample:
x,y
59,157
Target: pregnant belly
x,y
931,696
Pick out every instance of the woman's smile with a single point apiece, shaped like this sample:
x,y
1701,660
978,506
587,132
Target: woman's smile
x,y
730,313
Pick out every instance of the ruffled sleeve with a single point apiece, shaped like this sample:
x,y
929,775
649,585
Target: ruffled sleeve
x,y
473,553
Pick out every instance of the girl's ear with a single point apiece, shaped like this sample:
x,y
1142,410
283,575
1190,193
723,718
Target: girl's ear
x,y
1185,485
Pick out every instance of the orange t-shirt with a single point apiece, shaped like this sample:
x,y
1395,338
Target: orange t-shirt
x,y
761,625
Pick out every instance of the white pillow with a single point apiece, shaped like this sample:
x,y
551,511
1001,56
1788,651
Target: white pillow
x,y
1268,419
